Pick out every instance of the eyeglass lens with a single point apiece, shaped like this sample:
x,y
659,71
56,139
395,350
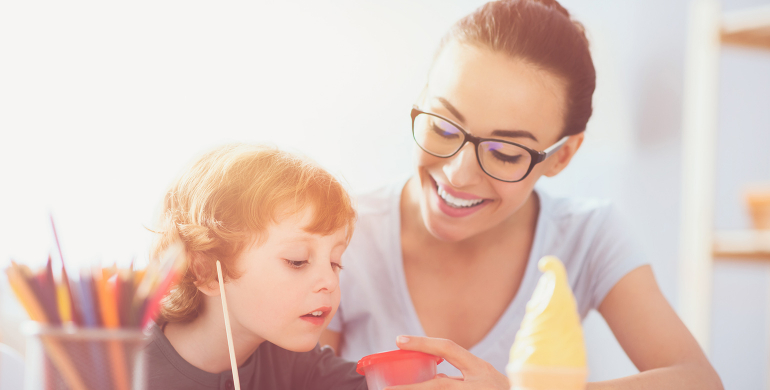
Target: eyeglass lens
x,y
441,138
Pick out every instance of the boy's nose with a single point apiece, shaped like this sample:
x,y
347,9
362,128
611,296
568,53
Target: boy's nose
x,y
463,169
328,280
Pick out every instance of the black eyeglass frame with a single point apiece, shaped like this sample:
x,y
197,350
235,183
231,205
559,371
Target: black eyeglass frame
x,y
537,156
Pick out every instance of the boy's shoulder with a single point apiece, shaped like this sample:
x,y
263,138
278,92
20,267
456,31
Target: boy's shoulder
x,y
166,369
270,366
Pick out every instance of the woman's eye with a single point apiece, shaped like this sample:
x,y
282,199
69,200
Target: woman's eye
x,y
505,157
451,133
296,263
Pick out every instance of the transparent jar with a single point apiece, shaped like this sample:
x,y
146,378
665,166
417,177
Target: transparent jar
x,y
67,357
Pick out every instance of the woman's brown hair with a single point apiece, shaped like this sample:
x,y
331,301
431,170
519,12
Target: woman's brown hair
x,y
542,33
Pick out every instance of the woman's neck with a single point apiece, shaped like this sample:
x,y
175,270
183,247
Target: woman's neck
x,y
202,342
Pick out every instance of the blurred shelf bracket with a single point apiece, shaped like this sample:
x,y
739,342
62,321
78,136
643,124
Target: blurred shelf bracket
x,y
742,245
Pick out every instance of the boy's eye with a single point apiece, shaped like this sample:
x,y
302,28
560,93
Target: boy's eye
x,y
296,263
337,266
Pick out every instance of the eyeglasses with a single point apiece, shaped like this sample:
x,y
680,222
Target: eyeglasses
x,y
503,160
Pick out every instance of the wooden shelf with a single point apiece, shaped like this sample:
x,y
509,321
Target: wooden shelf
x,y
742,245
709,30
749,28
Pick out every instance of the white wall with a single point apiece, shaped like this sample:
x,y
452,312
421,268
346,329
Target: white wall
x,y
101,105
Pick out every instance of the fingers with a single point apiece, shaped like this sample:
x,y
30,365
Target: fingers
x,y
433,384
457,378
451,352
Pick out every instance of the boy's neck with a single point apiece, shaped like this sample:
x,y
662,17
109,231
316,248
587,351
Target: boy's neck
x,y
202,342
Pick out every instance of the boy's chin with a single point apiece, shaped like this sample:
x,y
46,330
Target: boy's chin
x,y
303,343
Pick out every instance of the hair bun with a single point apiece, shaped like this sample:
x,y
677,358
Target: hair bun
x,y
553,4
542,33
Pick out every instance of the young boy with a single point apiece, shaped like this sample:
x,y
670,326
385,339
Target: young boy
x,y
278,224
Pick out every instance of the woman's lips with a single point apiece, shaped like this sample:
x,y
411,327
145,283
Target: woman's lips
x,y
455,193
459,197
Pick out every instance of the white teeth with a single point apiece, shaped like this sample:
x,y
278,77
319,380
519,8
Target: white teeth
x,y
316,313
457,202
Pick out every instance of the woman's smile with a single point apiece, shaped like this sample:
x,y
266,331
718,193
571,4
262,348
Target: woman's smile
x,y
454,203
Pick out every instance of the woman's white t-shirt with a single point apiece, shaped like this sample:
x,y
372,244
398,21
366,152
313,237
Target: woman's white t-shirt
x,y
587,235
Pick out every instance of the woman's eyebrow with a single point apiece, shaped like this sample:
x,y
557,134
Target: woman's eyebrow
x,y
514,134
499,133
451,109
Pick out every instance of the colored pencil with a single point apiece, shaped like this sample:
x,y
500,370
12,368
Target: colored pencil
x,y
108,303
173,275
87,299
74,307
56,238
63,302
24,294
125,287
77,317
90,303
48,285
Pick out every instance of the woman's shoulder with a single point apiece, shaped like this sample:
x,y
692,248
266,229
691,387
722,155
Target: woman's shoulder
x,y
595,242
380,201
582,219
576,210
375,239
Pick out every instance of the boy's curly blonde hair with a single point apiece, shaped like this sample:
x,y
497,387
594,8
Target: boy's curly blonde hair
x,y
227,200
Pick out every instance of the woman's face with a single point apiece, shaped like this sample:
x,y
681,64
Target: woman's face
x,y
488,94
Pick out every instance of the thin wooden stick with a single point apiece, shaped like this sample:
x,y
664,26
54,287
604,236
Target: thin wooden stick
x,y
233,364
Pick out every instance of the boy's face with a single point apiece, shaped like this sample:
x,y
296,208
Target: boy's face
x,y
288,289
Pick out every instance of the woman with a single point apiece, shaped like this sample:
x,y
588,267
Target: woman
x,y
452,252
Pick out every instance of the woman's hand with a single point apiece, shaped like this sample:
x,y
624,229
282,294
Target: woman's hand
x,y
477,374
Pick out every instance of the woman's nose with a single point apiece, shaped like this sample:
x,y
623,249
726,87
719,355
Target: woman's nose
x,y
463,169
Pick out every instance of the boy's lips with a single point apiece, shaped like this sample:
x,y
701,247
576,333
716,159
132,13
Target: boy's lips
x,y
317,316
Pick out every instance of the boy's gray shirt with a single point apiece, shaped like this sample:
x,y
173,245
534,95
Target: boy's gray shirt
x,y
270,367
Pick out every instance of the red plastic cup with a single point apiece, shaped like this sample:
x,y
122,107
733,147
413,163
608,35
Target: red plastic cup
x,y
397,367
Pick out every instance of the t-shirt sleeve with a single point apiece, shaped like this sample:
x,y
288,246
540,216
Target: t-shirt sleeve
x,y
321,369
613,254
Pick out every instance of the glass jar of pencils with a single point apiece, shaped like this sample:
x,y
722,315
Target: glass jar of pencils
x,y
84,358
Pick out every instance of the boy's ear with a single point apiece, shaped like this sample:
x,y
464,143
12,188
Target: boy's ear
x,y
205,277
564,155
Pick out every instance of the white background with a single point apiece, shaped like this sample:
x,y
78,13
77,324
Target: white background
x,y
103,104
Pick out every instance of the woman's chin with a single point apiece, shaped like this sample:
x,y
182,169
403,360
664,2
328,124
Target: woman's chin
x,y
447,228
447,233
